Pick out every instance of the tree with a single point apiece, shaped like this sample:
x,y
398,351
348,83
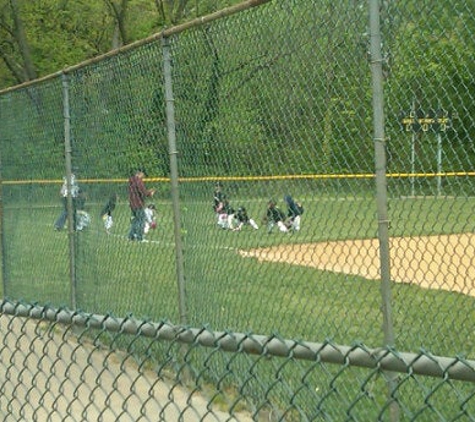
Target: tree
x,y
119,13
173,12
14,48
432,68
33,34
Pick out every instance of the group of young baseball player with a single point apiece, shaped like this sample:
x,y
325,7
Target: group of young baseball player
x,y
229,218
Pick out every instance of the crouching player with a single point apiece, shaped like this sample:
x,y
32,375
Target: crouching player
x,y
225,213
294,214
241,219
274,217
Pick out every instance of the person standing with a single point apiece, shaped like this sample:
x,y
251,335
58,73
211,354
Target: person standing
x,y
150,218
106,212
72,189
137,195
218,199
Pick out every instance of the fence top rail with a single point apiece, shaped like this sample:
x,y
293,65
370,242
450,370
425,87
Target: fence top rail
x,y
167,32
383,358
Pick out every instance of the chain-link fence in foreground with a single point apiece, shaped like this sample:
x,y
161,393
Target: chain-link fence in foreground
x,y
361,111
70,366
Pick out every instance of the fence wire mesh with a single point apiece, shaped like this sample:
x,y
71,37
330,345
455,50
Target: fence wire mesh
x,y
262,105
61,366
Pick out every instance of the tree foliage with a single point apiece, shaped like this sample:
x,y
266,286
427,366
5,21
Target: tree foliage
x,y
287,91
39,38
429,65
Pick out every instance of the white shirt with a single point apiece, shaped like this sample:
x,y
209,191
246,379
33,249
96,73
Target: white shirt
x,y
74,187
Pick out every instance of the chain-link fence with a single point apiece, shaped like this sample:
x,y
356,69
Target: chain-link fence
x,y
68,366
360,111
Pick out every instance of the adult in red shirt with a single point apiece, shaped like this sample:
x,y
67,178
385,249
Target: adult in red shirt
x,y
137,194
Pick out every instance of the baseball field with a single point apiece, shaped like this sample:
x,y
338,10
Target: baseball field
x,y
320,283
317,283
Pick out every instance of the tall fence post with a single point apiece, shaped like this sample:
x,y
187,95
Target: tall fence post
x,y
170,113
381,190
70,207
2,232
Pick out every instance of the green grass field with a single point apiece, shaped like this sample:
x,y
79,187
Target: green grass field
x,y
225,291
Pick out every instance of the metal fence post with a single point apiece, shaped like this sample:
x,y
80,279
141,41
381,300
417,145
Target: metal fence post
x,y
439,163
2,232
381,189
170,113
70,207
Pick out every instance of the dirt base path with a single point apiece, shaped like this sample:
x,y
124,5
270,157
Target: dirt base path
x,y
437,262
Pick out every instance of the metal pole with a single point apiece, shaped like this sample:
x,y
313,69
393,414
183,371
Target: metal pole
x,y
381,191
413,163
70,208
5,277
413,151
439,164
170,111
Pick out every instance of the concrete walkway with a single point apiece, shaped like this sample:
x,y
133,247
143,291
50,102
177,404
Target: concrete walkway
x,y
46,375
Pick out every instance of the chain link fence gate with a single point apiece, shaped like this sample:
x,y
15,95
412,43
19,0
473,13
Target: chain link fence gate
x,y
270,99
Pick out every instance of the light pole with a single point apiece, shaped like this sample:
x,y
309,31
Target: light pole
x,y
419,121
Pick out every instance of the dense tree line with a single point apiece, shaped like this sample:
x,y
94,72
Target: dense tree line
x,y
285,89
41,37
429,69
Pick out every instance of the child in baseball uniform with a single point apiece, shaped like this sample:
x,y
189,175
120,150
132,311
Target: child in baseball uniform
x,y
274,216
150,218
225,214
218,199
106,212
241,219
294,213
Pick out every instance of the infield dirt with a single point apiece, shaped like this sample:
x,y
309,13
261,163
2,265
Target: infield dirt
x,y
437,262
